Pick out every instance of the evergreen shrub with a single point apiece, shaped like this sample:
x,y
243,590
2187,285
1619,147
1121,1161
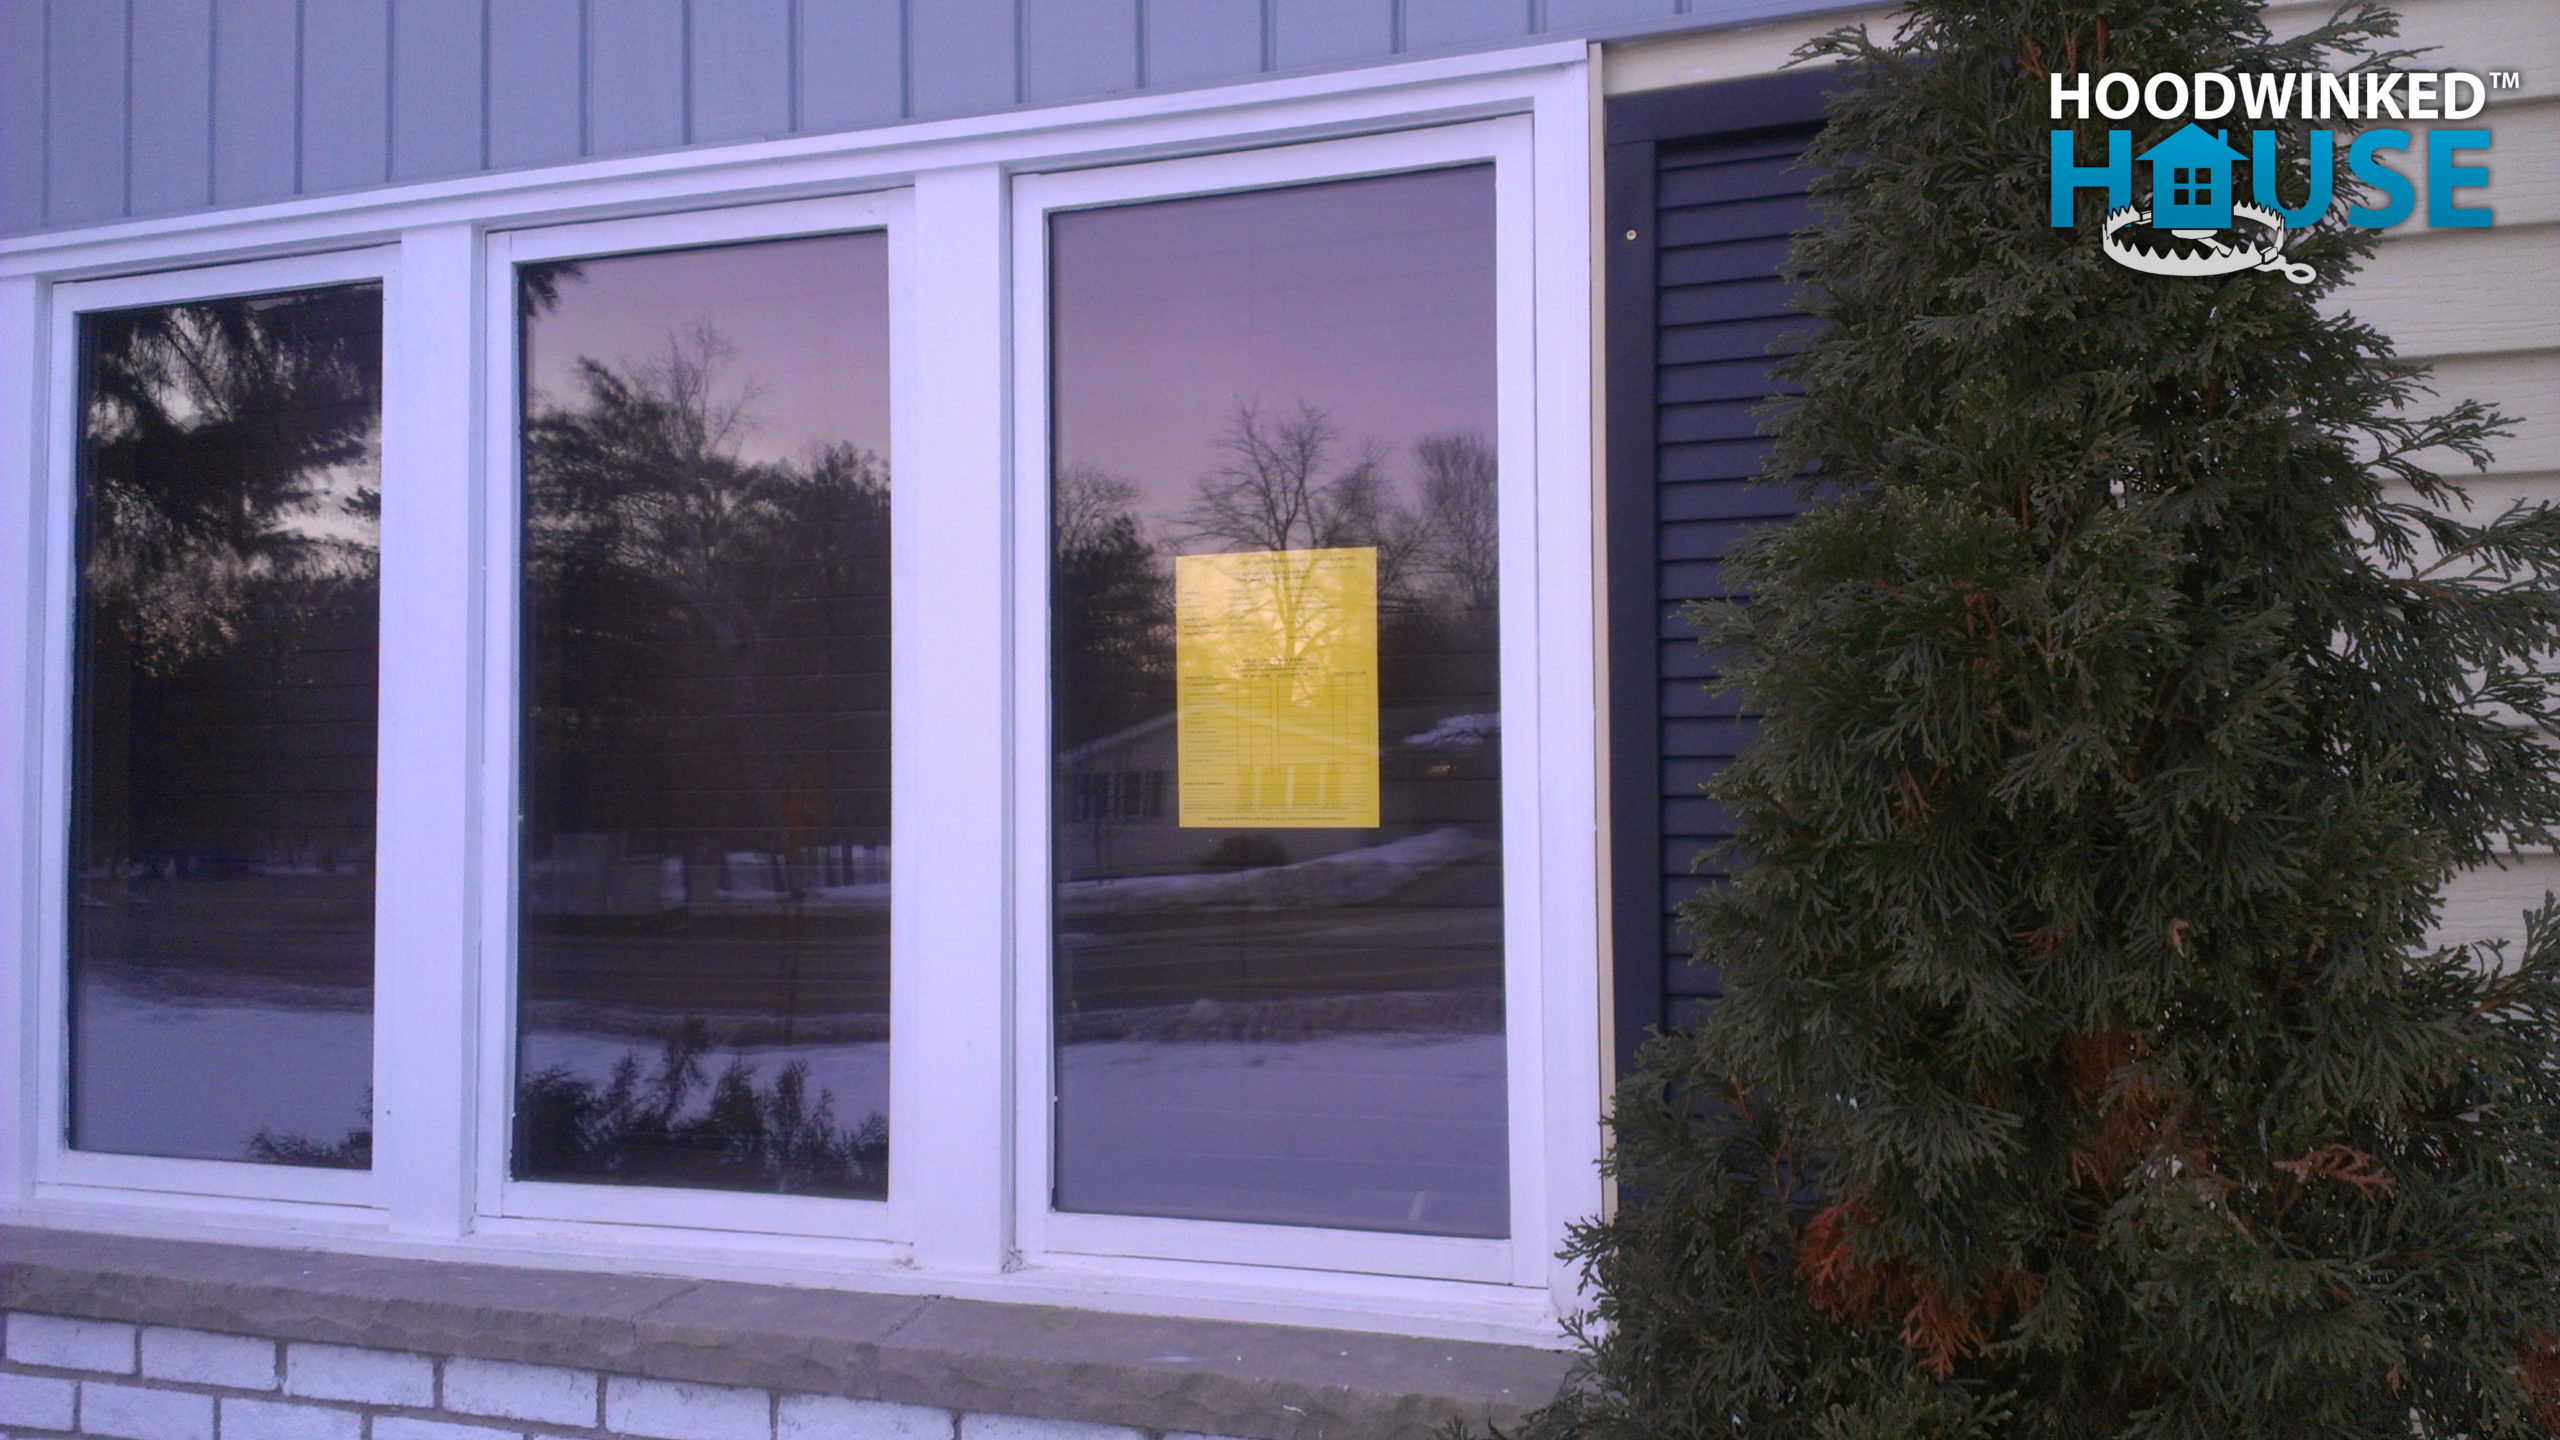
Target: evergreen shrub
x,y
2128,689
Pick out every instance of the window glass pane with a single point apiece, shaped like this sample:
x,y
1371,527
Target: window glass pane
x,y
704,947
1278,948
221,916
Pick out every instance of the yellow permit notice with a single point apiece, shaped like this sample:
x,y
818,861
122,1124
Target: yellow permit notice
x,y
1276,698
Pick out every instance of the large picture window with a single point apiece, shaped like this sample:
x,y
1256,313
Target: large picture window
x,y
1295,944
220,916
996,711
1277,707
703,967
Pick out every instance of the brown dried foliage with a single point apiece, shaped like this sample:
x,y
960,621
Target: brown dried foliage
x,y
1939,1324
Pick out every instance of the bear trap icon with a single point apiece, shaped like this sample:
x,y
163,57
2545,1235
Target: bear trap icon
x,y
2207,251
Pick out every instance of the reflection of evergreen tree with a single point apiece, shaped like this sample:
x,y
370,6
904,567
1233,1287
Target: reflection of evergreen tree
x,y
227,565
637,1128
1114,599
702,626
211,435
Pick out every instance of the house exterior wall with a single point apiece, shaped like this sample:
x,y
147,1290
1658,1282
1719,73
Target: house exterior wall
x,y
162,107
2482,309
167,108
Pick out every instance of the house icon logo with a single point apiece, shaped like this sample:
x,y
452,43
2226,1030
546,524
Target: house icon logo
x,y
2191,181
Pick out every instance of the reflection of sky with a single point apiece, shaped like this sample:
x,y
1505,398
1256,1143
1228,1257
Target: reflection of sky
x,y
1370,299
809,320
332,509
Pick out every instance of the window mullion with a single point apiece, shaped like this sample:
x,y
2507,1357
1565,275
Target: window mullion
x,y
950,973
426,979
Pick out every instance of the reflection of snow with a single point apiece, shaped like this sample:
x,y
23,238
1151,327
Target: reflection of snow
x,y
1460,730
857,1074
159,1075
1385,1132
1348,877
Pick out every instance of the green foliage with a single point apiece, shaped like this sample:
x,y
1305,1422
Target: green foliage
x,y
2083,1067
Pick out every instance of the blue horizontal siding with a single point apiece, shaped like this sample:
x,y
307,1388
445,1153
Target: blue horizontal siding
x,y
1720,209
203,103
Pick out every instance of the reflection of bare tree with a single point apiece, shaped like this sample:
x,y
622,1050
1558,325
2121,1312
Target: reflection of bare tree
x,y
1279,487
1288,482
1461,548
1285,481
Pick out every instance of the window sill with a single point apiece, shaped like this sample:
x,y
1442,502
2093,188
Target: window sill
x,y
1214,1377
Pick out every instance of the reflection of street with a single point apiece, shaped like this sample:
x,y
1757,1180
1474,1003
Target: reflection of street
x,y
821,967
224,932
1435,934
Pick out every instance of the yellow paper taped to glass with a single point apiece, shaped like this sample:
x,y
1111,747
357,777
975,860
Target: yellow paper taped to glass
x,y
1276,688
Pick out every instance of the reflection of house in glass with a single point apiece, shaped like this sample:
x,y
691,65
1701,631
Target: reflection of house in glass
x,y
599,873
1118,799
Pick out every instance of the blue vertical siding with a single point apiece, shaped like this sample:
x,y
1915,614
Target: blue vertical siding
x,y
1431,25
172,105
741,70
1076,49
84,111
963,57
1196,42
1307,34
346,94
200,103
537,82
438,126
852,64
22,107
257,100
638,96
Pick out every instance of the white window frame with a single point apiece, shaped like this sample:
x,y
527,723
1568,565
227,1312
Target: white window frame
x,y
500,1195
56,1163
969,814
1503,144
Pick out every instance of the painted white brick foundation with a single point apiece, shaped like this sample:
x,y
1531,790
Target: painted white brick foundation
x,y
520,1392
409,1427
71,1344
204,1385
830,1417
673,1410
38,1402
132,1413
278,1420
344,1372
1024,1427
200,1357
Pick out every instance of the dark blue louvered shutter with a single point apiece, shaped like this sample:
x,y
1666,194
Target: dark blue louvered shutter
x,y
1703,193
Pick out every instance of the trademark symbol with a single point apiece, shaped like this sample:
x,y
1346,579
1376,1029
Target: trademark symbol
x,y
2506,79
